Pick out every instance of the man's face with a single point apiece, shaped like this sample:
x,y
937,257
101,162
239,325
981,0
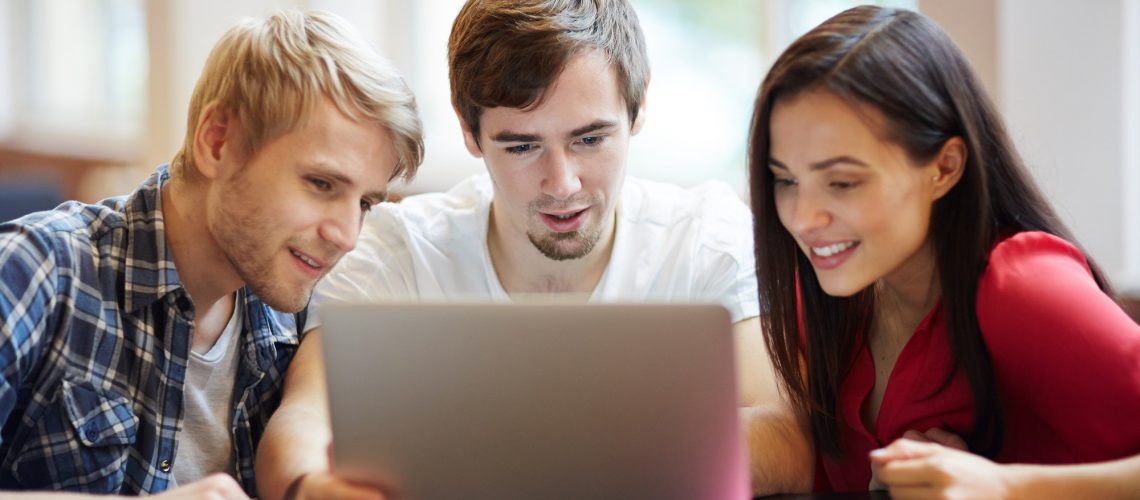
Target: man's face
x,y
294,208
558,169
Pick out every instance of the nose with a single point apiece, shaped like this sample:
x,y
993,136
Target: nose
x,y
560,176
808,213
342,228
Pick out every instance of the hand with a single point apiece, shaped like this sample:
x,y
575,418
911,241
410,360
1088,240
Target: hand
x,y
932,435
324,485
217,486
913,469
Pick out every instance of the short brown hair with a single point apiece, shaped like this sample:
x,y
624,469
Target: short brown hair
x,y
272,72
508,52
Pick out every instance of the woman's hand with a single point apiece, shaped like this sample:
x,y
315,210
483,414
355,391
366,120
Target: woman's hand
x,y
934,435
915,469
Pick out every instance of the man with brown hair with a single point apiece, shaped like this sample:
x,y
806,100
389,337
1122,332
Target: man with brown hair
x,y
549,94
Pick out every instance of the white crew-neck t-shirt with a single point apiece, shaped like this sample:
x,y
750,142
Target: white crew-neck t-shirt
x,y
670,245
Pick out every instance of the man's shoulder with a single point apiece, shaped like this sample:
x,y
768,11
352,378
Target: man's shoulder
x,y
70,228
434,216
710,202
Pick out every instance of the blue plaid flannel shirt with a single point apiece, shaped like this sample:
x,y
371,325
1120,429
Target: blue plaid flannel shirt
x,y
94,339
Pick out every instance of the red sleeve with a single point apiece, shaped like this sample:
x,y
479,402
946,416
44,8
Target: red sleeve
x,y
1062,350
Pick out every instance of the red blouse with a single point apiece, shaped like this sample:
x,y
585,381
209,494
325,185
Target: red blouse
x,y
1065,357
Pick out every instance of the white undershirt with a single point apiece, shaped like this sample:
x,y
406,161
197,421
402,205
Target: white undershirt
x,y
205,445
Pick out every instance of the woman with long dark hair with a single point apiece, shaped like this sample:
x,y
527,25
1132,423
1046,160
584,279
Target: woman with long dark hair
x,y
913,277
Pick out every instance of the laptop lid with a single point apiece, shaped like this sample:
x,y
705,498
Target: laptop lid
x,y
535,401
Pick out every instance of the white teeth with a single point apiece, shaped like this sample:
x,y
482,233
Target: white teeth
x,y
312,263
564,217
830,250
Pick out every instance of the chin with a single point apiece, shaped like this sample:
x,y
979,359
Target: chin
x,y
840,288
284,299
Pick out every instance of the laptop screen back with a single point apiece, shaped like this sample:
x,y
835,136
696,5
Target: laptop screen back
x,y
535,401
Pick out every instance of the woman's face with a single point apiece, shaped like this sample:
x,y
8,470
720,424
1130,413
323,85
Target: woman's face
x,y
856,204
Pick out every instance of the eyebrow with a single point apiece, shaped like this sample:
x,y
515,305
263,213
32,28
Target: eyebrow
x,y
822,164
325,170
508,136
593,127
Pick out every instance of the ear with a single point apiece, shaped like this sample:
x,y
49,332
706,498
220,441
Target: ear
x,y
640,121
210,137
468,137
948,166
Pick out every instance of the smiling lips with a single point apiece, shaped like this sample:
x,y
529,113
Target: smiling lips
x,y
309,265
831,255
564,222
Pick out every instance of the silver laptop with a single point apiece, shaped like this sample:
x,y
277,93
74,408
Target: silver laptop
x,y
509,401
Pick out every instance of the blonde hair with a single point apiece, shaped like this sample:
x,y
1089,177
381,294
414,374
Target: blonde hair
x,y
272,72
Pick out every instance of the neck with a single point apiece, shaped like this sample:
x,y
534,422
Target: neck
x,y
523,270
907,295
206,274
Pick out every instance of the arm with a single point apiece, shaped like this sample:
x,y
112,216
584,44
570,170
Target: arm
x,y
1063,353
756,377
778,443
215,486
926,470
293,456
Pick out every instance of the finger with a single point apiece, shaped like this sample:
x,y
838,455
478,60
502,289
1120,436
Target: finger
x,y
902,449
914,435
231,489
912,472
946,438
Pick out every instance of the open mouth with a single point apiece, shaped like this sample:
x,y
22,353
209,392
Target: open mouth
x,y
564,222
835,249
831,256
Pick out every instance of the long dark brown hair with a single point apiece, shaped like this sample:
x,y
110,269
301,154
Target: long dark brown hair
x,y
903,65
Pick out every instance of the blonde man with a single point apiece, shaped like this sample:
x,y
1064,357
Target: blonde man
x,y
144,340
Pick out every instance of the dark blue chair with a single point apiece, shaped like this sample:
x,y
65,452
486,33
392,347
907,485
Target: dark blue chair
x,y
19,197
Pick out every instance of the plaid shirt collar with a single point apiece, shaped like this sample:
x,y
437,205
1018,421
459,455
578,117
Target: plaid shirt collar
x,y
149,271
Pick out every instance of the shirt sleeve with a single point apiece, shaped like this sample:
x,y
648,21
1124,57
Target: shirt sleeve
x,y
1060,346
729,263
27,297
380,268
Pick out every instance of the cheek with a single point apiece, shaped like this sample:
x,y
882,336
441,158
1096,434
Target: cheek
x,y
784,203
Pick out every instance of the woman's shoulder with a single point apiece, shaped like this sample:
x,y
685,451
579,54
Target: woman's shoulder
x,y
1024,256
1035,278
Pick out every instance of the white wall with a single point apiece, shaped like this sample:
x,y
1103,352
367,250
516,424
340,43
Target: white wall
x,y
1062,80
1066,77
1130,276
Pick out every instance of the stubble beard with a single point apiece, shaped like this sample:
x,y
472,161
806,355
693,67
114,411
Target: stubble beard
x,y
245,237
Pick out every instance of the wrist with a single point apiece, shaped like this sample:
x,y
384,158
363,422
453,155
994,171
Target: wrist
x,y
1018,480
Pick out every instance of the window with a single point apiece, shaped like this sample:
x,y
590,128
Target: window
x,y
707,61
82,69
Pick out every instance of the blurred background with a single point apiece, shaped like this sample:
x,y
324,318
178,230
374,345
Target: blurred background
x,y
93,93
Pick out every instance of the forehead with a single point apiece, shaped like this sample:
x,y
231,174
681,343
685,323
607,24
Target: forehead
x,y
586,91
361,150
816,125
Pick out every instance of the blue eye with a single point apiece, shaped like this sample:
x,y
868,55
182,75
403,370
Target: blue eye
x,y
320,184
593,140
520,149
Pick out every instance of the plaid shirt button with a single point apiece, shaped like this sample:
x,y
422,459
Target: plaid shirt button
x,y
164,465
